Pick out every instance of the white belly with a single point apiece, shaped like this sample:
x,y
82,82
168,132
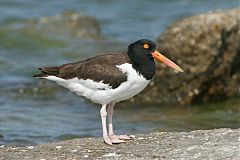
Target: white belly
x,y
89,89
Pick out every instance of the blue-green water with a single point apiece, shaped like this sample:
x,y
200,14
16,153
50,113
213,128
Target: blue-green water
x,y
33,111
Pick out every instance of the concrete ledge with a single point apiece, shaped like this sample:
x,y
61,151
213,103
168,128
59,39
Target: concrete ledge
x,y
200,144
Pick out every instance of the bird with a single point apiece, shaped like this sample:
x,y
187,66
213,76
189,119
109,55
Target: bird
x,y
110,78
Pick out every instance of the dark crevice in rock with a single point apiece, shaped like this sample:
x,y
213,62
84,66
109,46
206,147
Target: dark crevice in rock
x,y
216,82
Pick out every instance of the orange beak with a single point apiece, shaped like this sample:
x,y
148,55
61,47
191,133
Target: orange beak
x,y
165,60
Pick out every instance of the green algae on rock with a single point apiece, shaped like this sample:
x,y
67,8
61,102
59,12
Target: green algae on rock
x,y
48,32
71,23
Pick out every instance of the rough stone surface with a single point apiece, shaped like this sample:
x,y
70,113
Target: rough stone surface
x,y
200,144
207,47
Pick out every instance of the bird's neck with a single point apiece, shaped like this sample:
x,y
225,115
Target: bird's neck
x,y
144,66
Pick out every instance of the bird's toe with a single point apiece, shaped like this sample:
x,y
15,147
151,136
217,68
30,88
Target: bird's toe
x,y
107,140
115,140
125,137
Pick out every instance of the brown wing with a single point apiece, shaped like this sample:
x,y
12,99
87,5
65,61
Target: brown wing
x,y
100,68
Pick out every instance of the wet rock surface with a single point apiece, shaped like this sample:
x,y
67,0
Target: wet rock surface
x,y
207,47
200,144
68,24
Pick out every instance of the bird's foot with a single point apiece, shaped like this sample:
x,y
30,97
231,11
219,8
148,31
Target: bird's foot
x,y
112,140
124,137
115,139
107,140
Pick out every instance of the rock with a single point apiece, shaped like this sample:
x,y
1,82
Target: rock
x,y
66,24
69,22
207,47
200,144
67,31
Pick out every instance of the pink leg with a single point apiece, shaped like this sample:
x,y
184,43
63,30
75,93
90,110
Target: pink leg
x,y
113,137
110,114
103,113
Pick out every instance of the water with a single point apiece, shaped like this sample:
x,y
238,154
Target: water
x,y
33,111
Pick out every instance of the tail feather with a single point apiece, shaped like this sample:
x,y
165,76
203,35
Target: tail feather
x,y
47,71
40,75
50,70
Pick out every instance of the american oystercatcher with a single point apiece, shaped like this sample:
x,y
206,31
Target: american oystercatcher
x,y
110,78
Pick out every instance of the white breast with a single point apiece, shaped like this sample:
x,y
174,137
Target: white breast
x,y
94,90
135,83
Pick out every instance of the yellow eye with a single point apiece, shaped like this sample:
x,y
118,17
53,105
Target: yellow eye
x,y
146,46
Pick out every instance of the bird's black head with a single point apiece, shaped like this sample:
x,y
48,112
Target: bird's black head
x,y
141,49
142,54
